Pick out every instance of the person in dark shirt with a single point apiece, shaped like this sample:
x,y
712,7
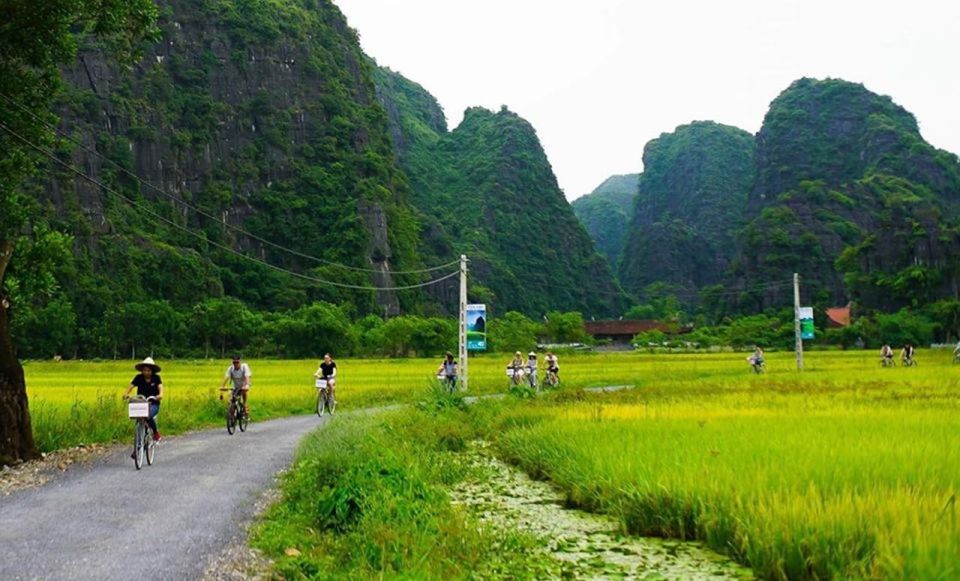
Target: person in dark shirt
x,y
148,384
328,371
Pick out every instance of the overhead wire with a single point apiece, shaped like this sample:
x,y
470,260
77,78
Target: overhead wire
x,y
178,200
53,157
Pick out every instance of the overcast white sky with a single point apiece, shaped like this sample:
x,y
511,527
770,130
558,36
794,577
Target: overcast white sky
x,y
600,78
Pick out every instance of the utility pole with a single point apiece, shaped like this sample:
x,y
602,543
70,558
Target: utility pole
x,y
463,322
796,320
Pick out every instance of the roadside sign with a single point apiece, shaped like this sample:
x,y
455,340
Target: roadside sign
x,y
806,323
476,327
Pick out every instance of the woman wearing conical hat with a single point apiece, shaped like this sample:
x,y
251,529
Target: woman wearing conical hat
x,y
149,384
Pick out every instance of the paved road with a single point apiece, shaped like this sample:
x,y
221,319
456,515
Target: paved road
x,y
94,522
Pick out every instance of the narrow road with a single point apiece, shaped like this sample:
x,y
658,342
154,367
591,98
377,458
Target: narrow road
x,y
109,521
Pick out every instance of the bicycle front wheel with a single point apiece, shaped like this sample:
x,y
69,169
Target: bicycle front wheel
x,y
231,417
321,402
151,445
138,444
242,419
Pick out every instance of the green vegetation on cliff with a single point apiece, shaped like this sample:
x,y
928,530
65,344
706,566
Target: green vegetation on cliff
x,y
691,200
487,189
606,213
261,114
849,194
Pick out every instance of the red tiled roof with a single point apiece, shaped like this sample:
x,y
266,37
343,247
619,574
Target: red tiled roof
x,y
839,316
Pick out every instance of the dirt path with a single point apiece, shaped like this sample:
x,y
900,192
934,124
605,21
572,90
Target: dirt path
x,y
582,545
105,520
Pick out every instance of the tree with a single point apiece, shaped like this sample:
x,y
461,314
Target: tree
x,y
315,329
36,38
566,327
512,332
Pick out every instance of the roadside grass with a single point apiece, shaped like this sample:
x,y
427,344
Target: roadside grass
x,y
367,498
846,471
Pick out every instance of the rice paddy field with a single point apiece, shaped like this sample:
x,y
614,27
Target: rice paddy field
x,y
75,402
847,470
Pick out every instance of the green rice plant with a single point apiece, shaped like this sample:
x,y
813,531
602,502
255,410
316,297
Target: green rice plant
x,y
845,471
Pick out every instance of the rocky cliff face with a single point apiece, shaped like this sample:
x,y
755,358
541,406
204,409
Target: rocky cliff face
x,y
691,200
486,189
263,115
849,195
606,213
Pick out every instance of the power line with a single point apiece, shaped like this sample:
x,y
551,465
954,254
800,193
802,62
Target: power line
x,y
178,200
52,156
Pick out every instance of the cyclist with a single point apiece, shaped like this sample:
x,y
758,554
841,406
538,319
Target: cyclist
x,y
757,358
148,384
517,366
449,370
532,369
553,364
239,374
906,355
886,355
328,372
956,352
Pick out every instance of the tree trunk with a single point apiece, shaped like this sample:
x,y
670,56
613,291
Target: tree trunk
x,y
16,434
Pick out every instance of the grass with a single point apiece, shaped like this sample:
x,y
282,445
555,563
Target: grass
x,y
368,499
846,471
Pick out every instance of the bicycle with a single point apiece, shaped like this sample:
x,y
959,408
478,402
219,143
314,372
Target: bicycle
x,y
325,401
449,381
236,414
516,376
908,362
756,366
887,362
552,379
138,408
532,379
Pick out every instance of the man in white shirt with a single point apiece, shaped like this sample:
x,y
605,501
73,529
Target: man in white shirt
x,y
239,374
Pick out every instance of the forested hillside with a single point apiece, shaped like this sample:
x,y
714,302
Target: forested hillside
x,y
606,213
487,189
254,115
691,200
849,194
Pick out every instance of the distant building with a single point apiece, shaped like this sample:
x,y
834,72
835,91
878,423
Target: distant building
x,y
622,332
838,317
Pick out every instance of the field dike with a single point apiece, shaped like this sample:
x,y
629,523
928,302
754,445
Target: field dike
x,y
579,544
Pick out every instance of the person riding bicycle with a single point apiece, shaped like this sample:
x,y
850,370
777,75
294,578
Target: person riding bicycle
x,y
328,372
906,355
553,364
517,363
448,369
148,384
956,351
239,374
532,369
886,354
757,358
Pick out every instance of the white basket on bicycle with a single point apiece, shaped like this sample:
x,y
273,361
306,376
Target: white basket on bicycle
x,y
511,372
321,383
138,409
441,377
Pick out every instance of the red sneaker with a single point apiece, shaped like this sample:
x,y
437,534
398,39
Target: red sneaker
x,y
156,436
